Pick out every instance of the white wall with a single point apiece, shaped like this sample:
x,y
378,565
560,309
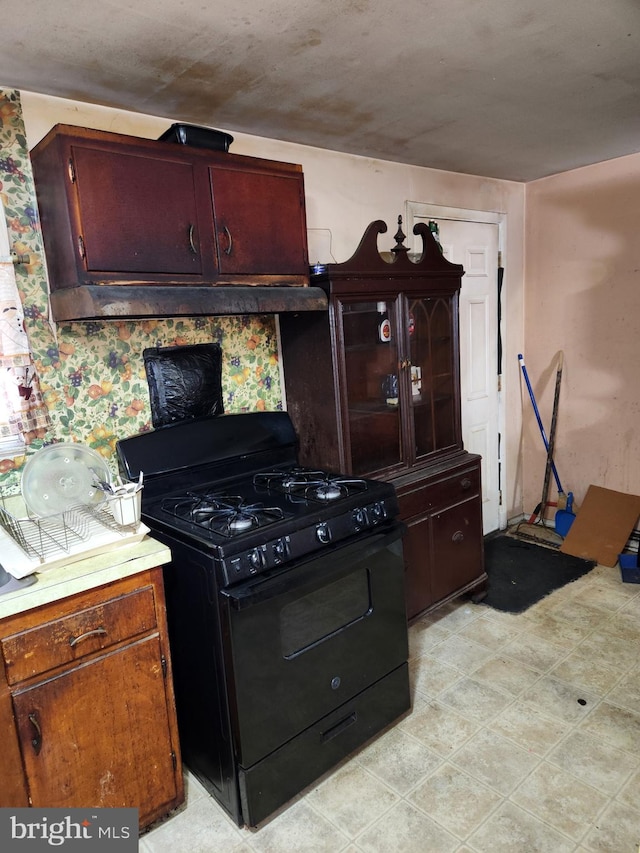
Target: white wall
x,y
344,193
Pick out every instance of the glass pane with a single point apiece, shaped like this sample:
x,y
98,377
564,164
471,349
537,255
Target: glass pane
x,y
372,392
432,374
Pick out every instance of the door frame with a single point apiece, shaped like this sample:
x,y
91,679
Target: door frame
x,y
418,211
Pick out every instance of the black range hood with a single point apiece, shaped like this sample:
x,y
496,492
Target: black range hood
x,y
124,302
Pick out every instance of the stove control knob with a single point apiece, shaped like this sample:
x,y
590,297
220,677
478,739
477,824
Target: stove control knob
x,y
378,511
281,549
256,560
323,534
359,518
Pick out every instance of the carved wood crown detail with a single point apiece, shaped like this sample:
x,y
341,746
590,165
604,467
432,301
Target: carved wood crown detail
x,y
367,258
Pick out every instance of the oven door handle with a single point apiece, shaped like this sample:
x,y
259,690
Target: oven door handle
x,y
320,567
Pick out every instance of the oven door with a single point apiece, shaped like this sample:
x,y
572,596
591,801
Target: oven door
x,y
305,641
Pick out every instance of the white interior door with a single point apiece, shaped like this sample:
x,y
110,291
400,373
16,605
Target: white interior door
x,y
475,246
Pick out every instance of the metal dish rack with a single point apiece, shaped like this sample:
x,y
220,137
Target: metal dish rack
x,y
55,536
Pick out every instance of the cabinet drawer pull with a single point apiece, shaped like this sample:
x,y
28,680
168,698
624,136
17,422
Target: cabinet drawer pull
x,y
73,641
458,536
227,233
36,740
465,484
192,245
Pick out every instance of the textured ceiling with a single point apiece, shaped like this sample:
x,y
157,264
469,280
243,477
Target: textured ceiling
x,y
513,89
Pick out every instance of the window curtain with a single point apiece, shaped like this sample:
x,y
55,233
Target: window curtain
x,y
23,413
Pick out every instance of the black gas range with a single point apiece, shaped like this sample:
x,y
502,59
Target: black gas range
x,y
285,604
254,511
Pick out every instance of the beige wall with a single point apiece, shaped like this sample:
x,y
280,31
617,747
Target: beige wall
x,y
583,297
343,195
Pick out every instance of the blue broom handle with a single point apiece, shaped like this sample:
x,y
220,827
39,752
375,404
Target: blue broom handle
x,y
539,419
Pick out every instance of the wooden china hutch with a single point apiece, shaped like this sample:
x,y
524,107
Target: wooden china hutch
x,y
373,389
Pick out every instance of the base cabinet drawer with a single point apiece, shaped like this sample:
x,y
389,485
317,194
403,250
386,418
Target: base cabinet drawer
x,y
72,637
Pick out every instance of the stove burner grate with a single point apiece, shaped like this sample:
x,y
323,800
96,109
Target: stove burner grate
x,y
310,485
226,515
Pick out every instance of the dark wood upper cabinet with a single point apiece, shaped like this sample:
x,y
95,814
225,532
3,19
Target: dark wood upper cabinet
x,y
119,210
373,388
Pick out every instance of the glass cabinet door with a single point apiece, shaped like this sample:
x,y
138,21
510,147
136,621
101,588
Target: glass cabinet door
x,y
433,377
372,384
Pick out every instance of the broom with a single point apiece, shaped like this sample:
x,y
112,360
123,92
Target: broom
x,y
550,467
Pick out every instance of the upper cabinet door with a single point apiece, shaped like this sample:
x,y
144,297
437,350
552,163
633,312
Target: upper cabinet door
x,y
137,214
434,378
372,383
260,222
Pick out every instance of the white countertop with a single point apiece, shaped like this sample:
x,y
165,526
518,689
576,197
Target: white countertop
x,y
119,562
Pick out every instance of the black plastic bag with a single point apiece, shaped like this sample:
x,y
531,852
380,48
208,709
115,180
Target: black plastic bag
x,y
185,382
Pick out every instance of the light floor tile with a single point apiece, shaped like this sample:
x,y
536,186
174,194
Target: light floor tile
x,y
399,760
619,727
512,830
605,595
423,635
475,699
558,699
559,799
455,800
629,794
429,676
537,652
529,728
440,728
405,829
206,826
627,691
506,674
580,669
299,828
495,761
351,798
489,632
460,653
594,761
607,649
617,830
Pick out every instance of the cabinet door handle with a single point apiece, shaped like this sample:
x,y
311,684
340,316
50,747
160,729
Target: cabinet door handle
x,y
458,536
227,234
73,641
465,484
36,740
192,245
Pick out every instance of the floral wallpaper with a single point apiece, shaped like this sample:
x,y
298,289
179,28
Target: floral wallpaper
x,y
91,374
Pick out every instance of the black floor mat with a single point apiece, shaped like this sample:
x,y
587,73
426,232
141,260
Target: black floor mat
x,y
521,573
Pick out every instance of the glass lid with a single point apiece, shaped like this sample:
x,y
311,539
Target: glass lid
x,y
61,476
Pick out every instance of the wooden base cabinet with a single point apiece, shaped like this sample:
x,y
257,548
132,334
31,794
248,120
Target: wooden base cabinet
x,y
86,702
373,389
441,546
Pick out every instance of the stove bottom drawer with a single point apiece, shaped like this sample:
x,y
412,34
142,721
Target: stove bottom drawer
x,y
273,781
